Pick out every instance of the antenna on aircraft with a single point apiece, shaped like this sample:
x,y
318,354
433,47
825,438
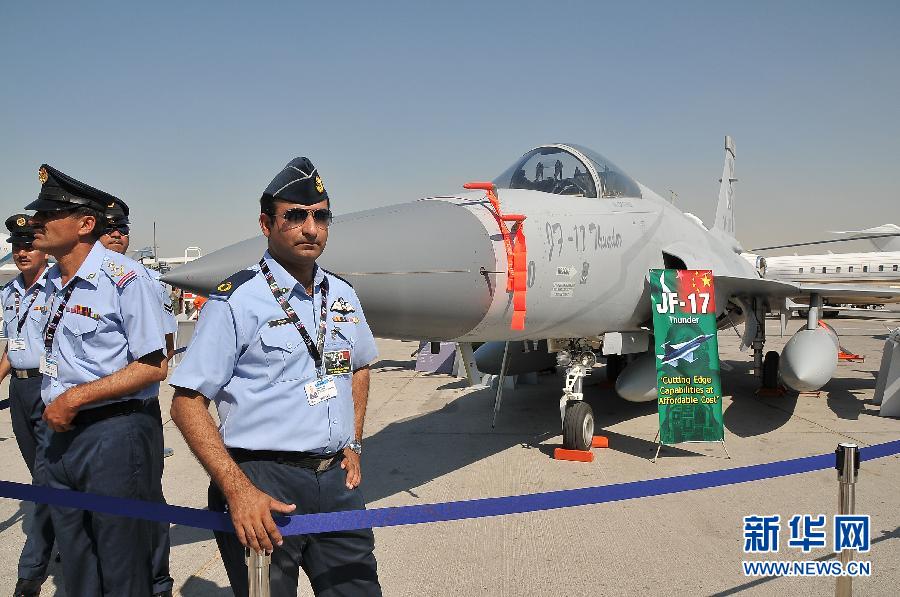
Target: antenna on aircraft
x,y
672,196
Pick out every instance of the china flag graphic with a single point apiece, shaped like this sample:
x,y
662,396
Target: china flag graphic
x,y
697,282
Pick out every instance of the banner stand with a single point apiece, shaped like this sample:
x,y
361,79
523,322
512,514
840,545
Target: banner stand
x,y
659,446
689,388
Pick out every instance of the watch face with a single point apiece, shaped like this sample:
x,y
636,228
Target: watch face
x,y
356,447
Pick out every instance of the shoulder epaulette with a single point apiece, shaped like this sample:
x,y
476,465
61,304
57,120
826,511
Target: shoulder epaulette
x,y
334,275
120,273
227,287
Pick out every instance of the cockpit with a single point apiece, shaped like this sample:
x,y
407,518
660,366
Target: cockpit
x,y
568,170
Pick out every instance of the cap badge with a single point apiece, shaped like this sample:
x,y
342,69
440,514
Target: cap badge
x,y
20,222
111,205
42,175
224,287
319,186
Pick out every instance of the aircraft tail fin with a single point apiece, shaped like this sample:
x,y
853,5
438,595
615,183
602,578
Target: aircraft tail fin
x,y
880,236
725,209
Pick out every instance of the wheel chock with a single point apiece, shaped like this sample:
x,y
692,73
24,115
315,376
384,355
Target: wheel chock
x,y
843,355
600,441
770,392
573,455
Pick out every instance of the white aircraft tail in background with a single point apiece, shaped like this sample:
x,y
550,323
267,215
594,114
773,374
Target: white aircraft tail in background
x,y
885,237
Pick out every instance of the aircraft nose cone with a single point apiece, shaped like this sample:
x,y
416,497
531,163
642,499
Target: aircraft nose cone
x,y
416,267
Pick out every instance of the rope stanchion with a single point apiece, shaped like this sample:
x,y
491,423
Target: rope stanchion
x,y
440,512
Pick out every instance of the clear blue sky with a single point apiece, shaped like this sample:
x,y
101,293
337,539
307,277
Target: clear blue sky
x,y
187,109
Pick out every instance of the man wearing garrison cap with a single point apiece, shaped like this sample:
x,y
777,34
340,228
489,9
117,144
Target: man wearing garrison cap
x,y
102,358
283,349
22,301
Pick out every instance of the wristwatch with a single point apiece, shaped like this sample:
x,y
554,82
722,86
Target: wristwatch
x,y
356,447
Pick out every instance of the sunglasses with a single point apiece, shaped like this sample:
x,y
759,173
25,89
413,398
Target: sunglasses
x,y
123,229
297,216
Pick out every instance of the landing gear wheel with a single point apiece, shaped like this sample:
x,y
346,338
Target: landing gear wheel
x,y
578,426
614,365
770,370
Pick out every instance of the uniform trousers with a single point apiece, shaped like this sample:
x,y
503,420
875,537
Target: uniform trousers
x,y
26,409
162,580
103,554
337,564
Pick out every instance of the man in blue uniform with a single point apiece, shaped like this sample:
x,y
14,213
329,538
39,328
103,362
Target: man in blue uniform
x,y
283,349
116,238
103,358
22,301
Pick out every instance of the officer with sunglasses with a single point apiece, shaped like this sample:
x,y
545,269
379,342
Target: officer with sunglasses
x,y
283,350
22,300
103,355
116,238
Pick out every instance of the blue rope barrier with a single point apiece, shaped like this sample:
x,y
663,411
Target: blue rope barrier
x,y
441,512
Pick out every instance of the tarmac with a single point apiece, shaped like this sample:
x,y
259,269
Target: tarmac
x,y
429,439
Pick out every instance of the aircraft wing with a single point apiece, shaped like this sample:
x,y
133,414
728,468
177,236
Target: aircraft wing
x,y
762,288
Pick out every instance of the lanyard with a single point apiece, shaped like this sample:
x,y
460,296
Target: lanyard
x,y
21,320
315,350
53,322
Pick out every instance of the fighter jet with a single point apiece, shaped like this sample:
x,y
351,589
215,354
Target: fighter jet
x,y
549,271
683,351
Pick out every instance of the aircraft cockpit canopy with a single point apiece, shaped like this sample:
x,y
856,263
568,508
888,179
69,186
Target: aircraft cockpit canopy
x,y
568,170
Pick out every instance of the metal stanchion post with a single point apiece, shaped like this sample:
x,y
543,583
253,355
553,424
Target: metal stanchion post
x,y
847,465
258,572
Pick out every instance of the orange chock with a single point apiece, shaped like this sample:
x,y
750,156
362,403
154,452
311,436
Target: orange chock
x,y
843,355
574,455
600,441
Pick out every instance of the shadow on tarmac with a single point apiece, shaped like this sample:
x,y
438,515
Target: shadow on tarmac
x,y
194,587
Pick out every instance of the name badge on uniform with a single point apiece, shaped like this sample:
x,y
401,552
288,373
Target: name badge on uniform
x,y
321,390
337,362
49,366
17,344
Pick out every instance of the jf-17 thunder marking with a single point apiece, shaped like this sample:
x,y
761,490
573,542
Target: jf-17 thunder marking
x,y
548,265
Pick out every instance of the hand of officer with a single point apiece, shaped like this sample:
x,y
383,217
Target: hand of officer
x,y
61,411
351,464
251,513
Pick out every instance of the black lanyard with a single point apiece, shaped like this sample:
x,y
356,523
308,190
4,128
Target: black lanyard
x,y
53,322
21,320
315,350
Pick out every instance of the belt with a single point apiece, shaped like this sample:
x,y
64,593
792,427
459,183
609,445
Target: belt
x,y
117,409
316,462
25,373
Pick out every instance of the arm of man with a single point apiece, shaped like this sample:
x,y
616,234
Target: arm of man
x,y
250,508
5,367
207,366
351,461
135,376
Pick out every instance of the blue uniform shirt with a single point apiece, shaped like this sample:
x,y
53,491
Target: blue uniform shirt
x,y
168,315
30,302
112,319
254,364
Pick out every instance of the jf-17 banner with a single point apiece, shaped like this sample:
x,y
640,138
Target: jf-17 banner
x,y
689,389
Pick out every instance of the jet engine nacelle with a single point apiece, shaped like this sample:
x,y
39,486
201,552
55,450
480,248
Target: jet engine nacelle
x,y
809,359
489,357
637,381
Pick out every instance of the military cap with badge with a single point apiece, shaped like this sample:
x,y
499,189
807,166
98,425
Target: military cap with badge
x,y
299,182
61,192
20,230
117,215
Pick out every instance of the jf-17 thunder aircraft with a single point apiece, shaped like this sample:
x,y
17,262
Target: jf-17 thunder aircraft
x,y
548,265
